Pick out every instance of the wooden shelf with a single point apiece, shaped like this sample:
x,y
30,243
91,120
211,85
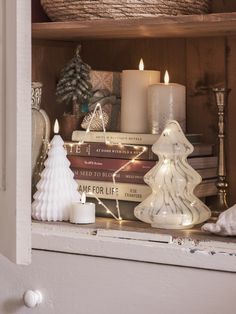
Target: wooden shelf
x,y
137,241
143,230
158,27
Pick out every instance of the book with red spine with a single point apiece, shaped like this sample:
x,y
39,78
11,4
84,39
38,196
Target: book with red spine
x,y
99,149
126,176
142,166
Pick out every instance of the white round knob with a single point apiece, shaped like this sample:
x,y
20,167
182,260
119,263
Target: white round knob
x,y
32,298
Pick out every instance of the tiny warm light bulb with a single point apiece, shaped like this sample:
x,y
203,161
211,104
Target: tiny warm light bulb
x,y
83,198
56,127
166,78
167,132
141,65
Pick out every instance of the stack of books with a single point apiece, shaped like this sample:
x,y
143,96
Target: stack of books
x,y
94,163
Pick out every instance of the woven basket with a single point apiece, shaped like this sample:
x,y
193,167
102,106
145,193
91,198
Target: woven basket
x,y
71,10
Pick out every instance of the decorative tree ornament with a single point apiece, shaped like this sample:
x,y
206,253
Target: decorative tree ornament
x,y
74,86
57,189
96,124
172,203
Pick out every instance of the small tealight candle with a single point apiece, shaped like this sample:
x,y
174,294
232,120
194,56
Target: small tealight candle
x,y
82,212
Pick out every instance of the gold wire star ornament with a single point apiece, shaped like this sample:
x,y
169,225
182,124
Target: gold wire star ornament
x,y
116,172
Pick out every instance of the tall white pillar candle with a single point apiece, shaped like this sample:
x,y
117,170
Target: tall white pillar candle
x,y
166,101
134,98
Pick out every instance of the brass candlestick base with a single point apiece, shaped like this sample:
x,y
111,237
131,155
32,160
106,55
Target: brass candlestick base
x,y
221,95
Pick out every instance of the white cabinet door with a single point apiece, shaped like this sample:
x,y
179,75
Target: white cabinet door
x,y
15,130
77,284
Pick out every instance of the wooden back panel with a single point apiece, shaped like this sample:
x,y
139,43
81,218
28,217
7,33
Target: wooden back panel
x,y
196,62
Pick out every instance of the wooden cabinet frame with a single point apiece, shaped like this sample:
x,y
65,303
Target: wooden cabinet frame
x,y
15,144
15,158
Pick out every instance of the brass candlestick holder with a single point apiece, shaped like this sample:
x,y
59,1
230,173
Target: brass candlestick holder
x,y
221,95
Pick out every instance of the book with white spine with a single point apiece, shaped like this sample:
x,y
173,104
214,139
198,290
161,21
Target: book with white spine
x,y
125,138
134,192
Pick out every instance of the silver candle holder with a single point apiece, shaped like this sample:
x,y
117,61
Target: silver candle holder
x,y
221,95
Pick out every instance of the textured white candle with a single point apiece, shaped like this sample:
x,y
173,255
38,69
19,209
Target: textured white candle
x,y
134,99
82,212
166,101
57,188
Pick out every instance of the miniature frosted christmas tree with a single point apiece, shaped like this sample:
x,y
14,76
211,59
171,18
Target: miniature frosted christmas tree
x,y
172,203
57,189
74,87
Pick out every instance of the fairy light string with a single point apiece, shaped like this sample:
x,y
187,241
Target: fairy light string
x,y
116,172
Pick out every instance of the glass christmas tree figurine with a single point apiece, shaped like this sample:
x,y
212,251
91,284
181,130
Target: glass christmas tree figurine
x,y
172,203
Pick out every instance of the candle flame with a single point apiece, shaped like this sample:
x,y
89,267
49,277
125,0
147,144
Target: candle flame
x,y
83,198
166,78
141,65
56,127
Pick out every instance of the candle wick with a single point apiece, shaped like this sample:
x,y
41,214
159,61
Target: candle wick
x,y
83,198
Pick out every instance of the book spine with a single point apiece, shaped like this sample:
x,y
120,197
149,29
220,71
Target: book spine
x,y
208,173
126,208
125,138
124,151
203,162
142,166
133,192
109,151
116,137
126,176
95,163
106,175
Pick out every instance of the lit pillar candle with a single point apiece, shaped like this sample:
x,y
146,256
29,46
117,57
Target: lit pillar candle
x,y
134,98
166,101
82,212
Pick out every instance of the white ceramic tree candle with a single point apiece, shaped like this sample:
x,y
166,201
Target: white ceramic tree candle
x,y
57,188
134,98
172,203
166,101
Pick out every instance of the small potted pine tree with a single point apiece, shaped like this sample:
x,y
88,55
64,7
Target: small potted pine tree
x,y
74,89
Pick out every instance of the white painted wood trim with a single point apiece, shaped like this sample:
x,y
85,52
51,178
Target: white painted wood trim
x,y
160,249
15,211
2,96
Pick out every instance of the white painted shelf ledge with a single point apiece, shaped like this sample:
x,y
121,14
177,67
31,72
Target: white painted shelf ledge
x,y
136,241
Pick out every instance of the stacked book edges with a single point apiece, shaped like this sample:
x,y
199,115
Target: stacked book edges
x,y
125,138
94,163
